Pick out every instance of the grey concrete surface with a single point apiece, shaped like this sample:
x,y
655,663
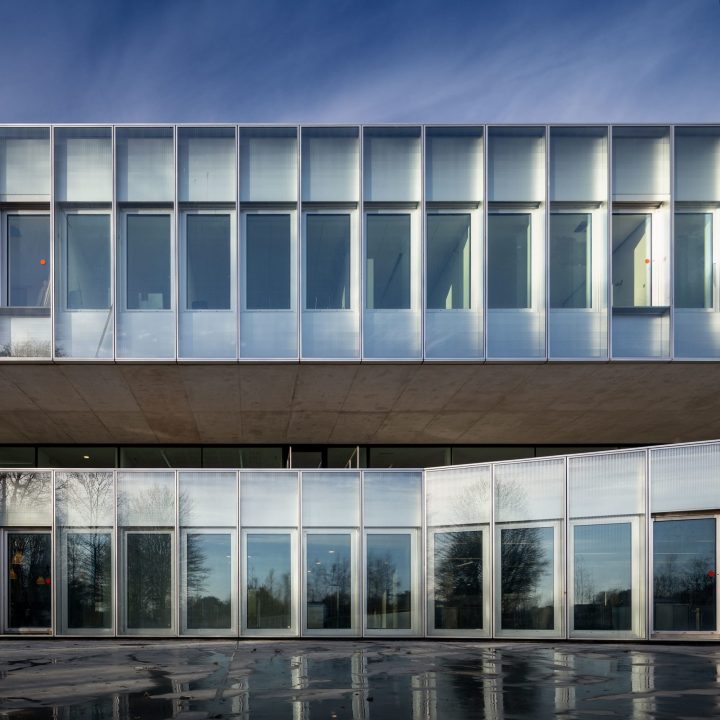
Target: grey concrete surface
x,y
300,680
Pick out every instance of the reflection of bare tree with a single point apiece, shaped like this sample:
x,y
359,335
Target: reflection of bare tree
x,y
329,586
584,582
84,498
89,570
268,599
23,491
388,605
458,580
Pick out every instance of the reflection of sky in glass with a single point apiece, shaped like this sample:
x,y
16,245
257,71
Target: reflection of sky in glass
x,y
678,544
213,554
267,553
393,550
329,554
603,555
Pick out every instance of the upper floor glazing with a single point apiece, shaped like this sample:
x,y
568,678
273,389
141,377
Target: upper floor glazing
x,y
349,243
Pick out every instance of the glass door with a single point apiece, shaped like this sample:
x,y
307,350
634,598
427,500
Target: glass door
x,y
459,581
684,575
28,581
528,561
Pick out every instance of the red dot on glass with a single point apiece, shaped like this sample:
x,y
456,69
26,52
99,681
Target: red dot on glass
x,y
43,261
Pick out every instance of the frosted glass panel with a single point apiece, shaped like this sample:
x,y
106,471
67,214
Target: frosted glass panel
x,y
84,499
602,485
392,165
685,478
24,164
330,164
269,499
697,164
331,499
392,499
146,499
208,499
206,165
83,165
530,491
453,164
516,165
25,498
391,334
638,336
641,163
458,496
268,165
145,164
578,164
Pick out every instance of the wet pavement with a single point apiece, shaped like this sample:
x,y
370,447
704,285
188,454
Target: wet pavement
x,y
299,680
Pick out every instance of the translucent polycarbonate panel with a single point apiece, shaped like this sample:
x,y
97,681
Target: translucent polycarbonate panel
x,y
267,262
207,565
389,585
527,577
570,260
329,581
25,498
391,164
453,334
685,478
533,490
458,580
331,499
269,581
24,164
640,163
578,334
83,309
641,336
145,320
86,601
631,260
447,258
84,499
330,164
516,164
387,261
206,164
697,334
146,499
208,499
602,485
269,499
149,598
83,164
29,587
145,164
392,499
28,260
509,260
684,575
693,260
458,496
578,164
453,164
603,570
697,164
327,262
268,164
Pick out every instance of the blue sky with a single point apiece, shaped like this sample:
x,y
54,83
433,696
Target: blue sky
x,y
337,60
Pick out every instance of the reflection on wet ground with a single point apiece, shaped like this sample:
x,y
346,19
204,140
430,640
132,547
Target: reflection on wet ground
x,y
359,680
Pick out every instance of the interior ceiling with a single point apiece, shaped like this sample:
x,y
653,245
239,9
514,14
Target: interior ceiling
x,y
550,403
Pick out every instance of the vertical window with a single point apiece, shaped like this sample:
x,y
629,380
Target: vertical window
x,y
693,260
208,262
570,279
267,262
329,604
88,262
631,255
388,262
389,589
448,262
509,261
148,262
209,580
327,262
28,253
269,581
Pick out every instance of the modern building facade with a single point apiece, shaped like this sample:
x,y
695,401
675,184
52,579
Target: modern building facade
x,y
230,357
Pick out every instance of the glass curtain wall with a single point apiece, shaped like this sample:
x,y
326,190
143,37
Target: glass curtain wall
x,y
458,505
578,293
529,513
25,324
207,172
453,243
641,242
83,243
516,243
696,329
268,262
607,549
145,186
330,292
392,169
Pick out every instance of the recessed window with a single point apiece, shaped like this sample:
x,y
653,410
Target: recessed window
x,y
693,260
88,262
388,262
267,262
327,262
448,262
28,260
570,260
631,256
148,262
509,261
208,262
